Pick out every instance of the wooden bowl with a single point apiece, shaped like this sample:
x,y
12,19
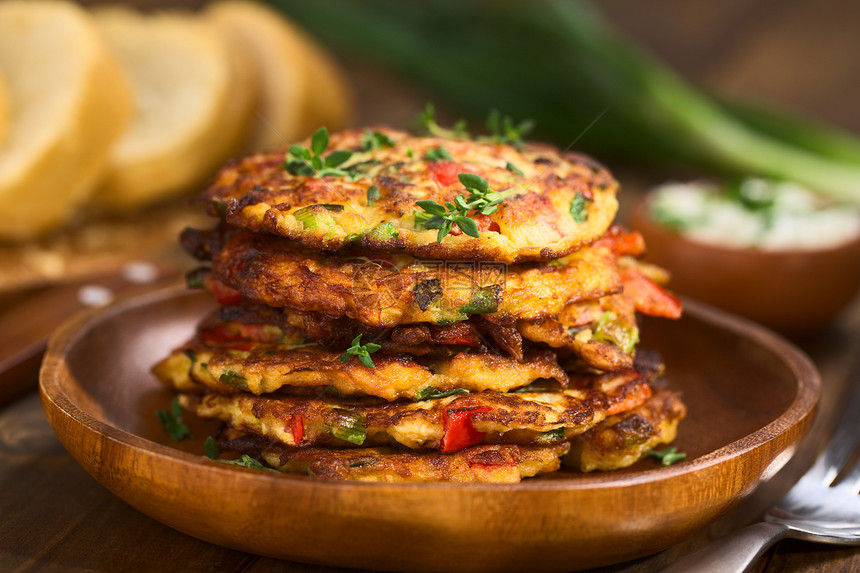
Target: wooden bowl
x,y
750,394
794,292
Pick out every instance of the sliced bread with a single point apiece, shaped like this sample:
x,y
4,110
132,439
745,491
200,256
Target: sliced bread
x,y
193,104
4,109
70,102
301,87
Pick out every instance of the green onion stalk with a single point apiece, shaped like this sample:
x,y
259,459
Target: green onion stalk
x,y
559,63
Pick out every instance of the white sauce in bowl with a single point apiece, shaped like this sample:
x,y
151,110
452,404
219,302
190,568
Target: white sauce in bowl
x,y
757,213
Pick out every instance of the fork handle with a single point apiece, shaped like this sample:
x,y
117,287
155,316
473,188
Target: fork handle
x,y
733,553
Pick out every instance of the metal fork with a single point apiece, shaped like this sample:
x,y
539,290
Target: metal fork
x,y
818,508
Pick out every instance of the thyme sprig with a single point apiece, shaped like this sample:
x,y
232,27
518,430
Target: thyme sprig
x,y
213,452
172,421
310,162
362,351
668,456
371,140
426,124
481,200
503,130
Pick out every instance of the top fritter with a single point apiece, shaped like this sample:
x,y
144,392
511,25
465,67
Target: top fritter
x,y
392,192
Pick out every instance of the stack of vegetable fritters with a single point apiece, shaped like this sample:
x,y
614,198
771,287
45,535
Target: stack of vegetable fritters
x,y
399,307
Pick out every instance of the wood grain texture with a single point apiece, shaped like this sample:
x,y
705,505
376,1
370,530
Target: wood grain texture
x,y
750,398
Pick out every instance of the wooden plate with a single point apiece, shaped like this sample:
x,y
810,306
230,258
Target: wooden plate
x,y
750,394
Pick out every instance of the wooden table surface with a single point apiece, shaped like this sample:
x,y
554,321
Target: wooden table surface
x,y
57,518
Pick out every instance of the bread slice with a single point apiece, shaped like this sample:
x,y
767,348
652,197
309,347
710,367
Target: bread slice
x,y
301,86
193,104
4,109
70,102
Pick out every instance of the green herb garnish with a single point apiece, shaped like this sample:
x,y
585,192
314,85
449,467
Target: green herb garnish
x,y
213,452
210,446
481,199
196,278
371,140
372,195
432,393
579,207
503,130
551,436
668,456
172,421
310,162
363,351
438,154
513,168
426,124
247,461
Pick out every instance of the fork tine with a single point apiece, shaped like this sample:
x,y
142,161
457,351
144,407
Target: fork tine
x,y
845,437
850,482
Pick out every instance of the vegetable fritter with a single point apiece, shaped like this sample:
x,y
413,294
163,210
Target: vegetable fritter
x,y
365,196
621,440
447,423
266,367
387,290
602,332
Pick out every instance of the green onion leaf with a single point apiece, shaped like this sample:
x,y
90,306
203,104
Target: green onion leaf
x,y
484,300
433,393
349,426
551,436
579,207
382,232
372,195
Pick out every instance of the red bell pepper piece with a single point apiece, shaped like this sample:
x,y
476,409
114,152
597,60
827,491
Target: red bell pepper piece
x,y
296,427
649,297
223,294
459,432
484,224
445,172
460,333
623,242
222,336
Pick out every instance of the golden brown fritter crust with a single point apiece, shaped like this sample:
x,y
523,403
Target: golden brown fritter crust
x,y
621,440
505,463
264,367
387,290
602,332
534,222
536,418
